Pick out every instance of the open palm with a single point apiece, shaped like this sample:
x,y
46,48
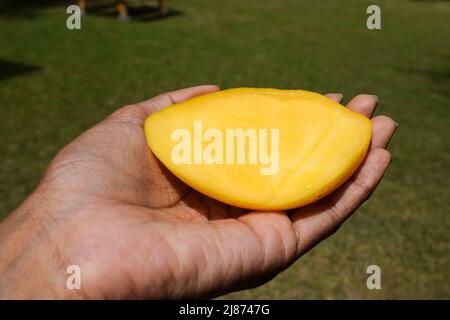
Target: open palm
x,y
136,231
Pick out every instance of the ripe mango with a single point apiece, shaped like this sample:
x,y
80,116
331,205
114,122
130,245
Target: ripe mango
x,y
260,149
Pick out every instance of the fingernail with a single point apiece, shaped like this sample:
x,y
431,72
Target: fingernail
x,y
340,95
375,97
396,124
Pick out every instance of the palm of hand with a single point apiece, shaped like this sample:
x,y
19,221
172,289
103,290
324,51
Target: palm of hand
x,y
137,231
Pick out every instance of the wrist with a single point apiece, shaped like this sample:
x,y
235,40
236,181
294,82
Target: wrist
x,y
31,264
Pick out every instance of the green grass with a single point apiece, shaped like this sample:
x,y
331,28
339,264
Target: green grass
x,y
317,45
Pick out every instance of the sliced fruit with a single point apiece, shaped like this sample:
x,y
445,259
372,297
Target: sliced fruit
x,y
261,149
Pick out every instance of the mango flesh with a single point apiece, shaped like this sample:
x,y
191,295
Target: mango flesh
x,y
320,145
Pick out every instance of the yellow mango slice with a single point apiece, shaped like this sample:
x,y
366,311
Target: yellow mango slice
x,y
261,149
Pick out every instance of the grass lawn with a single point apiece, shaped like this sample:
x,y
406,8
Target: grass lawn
x,y
55,83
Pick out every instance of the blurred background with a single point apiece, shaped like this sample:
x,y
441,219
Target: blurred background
x,y
56,83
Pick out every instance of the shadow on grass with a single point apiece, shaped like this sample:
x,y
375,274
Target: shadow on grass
x,y
142,13
28,8
137,10
11,69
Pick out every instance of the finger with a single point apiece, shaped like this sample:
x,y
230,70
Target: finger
x,y
383,129
166,99
317,221
221,255
260,244
335,96
364,104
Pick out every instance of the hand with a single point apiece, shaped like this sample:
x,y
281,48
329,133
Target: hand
x,y
107,205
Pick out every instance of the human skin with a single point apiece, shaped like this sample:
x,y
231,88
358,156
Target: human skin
x,y
107,204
